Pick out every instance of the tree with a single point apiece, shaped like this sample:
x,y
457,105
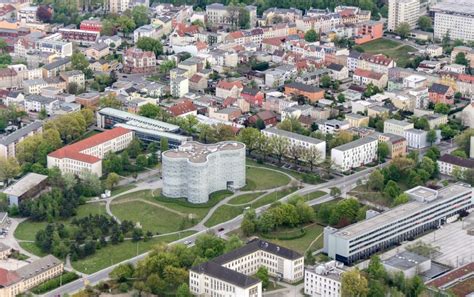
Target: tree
x,y
312,156
325,81
43,114
460,154
376,270
431,136
122,273
425,23
112,180
353,284
248,225
166,66
150,44
79,61
110,101
433,153
341,98
461,59
383,151
233,243
376,181
262,274
250,137
335,192
391,189
151,111
108,28
9,168
415,287
464,140
403,29
73,88
164,144
401,199
280,146
183,291
140,15
311,35
43,13
126,24
244,18
442,108
141,161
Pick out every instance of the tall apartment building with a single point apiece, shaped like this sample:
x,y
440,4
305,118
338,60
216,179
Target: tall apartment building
x,y
355,153
428,210
118,6
396,127
8,143
403,11
87,154
455,18
195,170
298,140
229,274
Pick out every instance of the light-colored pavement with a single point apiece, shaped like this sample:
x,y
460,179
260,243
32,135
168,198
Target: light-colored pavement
x,y
11,241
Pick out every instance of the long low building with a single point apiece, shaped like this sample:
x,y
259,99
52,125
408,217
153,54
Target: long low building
x,y
428,210
230,274
9,143
295,139
452,165
86,155
15,282
195,170
28,186
355,153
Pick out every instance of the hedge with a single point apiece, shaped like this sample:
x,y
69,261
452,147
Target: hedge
x,y
54,283
285,236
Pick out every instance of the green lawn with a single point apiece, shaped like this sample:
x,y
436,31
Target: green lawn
x,y
245,198
301,244
121,189
295,174
313,195
393,49
224,213
112,254
263,179
27,229
152,218
272,197
32,248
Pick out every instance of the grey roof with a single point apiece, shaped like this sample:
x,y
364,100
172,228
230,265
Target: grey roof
x,y
398,122
405,260
40,99
438,88
57,63
25,184
288,134
11,138
335,67
39,266
225,274
304,87
415,131
466,163
355,143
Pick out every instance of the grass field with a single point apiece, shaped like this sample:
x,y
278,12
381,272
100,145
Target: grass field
x,y
272,197
245,198
263,179
295,174
152,218
394,49
32,248
121,189
223,214
27,230
302,244
313,195
112,254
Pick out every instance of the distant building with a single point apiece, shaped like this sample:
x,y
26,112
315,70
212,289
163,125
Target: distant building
x,y
408,263
439,93
27,187
397,145
311,92
452,165
138,61
86,155
91,25
9,143
231,273
396,127
368,31
416,138
428,210
455,18
354,154
196,170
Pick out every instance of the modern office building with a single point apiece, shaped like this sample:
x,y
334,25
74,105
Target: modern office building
x,y
324,279
146,129
428,210
229,274
195,170
455,18
86,155
9,143
403,11
299,140
355,153
396,127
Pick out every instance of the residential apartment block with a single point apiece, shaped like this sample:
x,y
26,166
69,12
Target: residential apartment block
x,y
416,138
298,140
354,154
455,17
195,170
452,165
230,274
428,210
87,154
138,61
397,145
396,127
9,143
403,11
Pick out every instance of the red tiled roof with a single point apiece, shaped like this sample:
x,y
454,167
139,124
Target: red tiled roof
x,y
377,59
196,78
276,41
182,108
229,85
236,34
73,151
8,277
368,73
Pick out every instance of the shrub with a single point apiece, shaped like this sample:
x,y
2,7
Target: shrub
x,y
54,283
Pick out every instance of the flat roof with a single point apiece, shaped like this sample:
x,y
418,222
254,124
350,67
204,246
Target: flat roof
x,y
458,6
12,137
399,123
197,152
137,119
399,212
168,135
355,143
25,184
292,135
405,260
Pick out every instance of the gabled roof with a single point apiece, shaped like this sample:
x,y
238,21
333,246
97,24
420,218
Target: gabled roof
x,y
303,87
229,85
438,88
182,107
368,74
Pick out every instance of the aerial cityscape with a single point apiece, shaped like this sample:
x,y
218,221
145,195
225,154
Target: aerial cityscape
x,y
320,148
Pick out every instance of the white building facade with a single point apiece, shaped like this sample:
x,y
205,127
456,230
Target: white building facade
x,y
323,280
196,170
354,154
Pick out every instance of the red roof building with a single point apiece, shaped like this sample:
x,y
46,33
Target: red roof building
x,y
183,108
